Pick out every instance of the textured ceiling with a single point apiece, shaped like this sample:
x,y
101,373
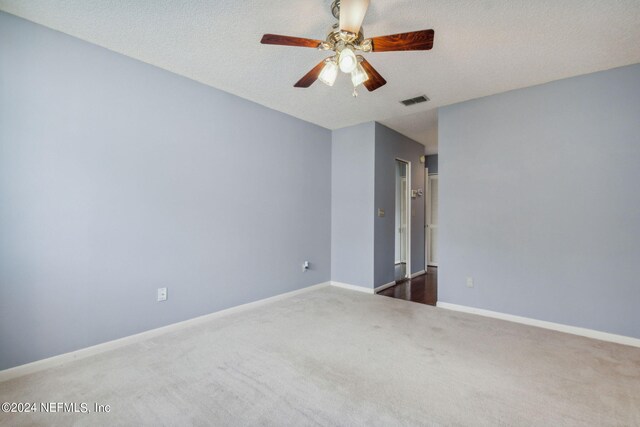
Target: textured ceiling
x,y
481,48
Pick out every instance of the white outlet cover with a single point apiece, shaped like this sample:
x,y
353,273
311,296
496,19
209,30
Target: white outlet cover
x,y
469,282
162,294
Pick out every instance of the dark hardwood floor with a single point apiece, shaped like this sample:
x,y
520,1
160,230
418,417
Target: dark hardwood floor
x,y
422,289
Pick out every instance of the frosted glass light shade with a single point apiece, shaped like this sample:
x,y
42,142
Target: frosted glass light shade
x,y
352,14
329,73
359,75
347,60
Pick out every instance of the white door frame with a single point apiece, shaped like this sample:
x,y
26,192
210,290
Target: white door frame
x,y
427,216
409,215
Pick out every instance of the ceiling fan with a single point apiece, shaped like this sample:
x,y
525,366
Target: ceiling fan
x,y
346,37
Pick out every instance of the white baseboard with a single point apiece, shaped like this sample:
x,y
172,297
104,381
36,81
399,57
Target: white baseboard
x,y
352,287
385,286
418,273
575,330
58,360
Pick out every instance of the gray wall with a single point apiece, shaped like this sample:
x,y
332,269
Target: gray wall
x,y
389,146
363,180
117,178
352,204
432,164
539,202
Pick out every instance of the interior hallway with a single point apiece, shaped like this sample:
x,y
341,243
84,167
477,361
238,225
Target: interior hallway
x,y
422,289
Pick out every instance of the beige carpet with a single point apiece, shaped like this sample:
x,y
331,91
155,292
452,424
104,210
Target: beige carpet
x,y
337,357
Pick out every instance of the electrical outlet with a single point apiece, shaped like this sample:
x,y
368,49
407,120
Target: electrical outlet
x,y
469,282
162,294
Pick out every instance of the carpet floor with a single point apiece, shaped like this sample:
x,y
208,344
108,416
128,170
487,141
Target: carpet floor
x,y
336,357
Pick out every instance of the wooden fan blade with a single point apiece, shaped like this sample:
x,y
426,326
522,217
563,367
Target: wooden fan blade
x,y
415,40
375,80
289,41
309,78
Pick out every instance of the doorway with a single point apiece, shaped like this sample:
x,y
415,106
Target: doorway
x,y
402,220
431,212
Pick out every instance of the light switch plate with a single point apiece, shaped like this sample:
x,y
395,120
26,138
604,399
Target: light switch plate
x,y
380,212
162,294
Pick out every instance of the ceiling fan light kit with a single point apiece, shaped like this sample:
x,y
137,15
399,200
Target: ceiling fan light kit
x,y
345,39
329,73
359,75
347,60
